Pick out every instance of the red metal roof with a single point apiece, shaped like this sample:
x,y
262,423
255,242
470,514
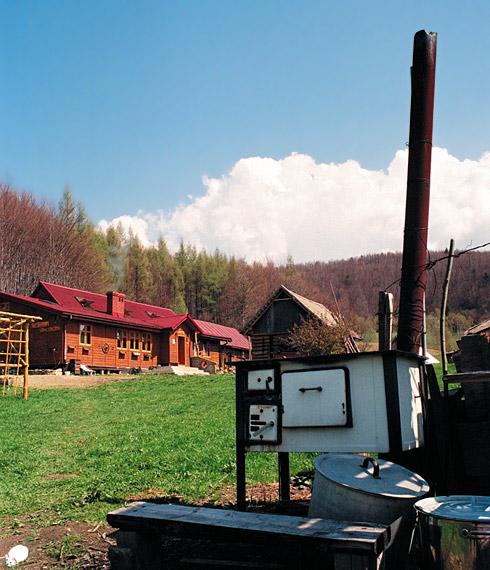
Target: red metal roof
x,y
63,300
141,315
228,335
66,297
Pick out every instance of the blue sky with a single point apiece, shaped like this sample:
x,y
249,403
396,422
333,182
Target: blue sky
x,y
133,103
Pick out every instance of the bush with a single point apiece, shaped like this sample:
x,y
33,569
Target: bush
x,y
314,337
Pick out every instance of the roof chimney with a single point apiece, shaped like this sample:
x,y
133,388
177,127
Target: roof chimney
x,y
115,303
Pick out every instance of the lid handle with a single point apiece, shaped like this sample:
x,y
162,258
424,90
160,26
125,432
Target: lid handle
x,y
375,464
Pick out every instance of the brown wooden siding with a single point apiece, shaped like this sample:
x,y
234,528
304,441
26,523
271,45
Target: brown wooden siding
x,y
49,350
220,354
103,350
282,315
268,345
45,342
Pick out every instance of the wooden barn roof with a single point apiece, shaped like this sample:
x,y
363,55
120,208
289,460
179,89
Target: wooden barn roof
x,y
479,328
312,307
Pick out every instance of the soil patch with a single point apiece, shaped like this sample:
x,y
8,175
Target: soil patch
x,y
81,545
73,545
48,381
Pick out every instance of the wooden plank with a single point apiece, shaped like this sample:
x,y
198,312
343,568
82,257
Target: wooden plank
x,y
205,564
171,519
40,325
355,562
467,377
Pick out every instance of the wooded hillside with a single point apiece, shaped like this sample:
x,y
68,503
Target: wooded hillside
x,y
60,245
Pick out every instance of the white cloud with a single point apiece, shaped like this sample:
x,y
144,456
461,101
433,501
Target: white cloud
x,y
266,208
138,225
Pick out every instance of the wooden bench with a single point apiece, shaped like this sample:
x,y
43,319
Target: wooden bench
x,y
146,531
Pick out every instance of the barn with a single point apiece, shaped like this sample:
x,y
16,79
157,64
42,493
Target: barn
x,y
270,327
109,332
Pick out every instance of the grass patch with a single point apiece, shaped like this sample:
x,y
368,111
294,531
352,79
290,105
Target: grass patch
x,y
68,548
451,369
77,454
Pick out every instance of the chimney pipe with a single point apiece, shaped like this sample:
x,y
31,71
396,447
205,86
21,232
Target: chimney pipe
x,y
412,287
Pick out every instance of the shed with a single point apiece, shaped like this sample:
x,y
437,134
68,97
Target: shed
x,y
270,327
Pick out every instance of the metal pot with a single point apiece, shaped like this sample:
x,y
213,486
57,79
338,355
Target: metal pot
x,y
455,532
357,488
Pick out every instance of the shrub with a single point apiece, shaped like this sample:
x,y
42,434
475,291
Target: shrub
x,y
314,337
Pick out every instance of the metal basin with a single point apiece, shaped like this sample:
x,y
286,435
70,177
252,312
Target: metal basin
x,y
455,532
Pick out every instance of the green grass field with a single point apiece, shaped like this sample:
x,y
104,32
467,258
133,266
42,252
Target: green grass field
x,y
78,454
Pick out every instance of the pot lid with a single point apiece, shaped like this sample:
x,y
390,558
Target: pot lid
x,y
358,472
469,508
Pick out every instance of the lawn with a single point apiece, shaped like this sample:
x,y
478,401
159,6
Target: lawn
x,y
77,454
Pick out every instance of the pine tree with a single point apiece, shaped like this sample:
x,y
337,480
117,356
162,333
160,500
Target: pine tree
x,y
161,267
137,283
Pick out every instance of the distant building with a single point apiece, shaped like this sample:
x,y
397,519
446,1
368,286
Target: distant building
x,y
109,332
270,327
481,328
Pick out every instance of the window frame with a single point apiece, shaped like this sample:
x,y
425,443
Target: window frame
x,y
122,339
85,334
134,340
145,342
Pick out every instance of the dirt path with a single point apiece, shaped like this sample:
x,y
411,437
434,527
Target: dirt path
x,y
81,545
47,381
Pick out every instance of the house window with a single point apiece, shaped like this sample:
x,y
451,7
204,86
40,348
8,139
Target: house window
x,y
134,340
85,334
5,307
146,342
122,338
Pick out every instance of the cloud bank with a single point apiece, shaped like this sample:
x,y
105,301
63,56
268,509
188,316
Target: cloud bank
x,y
270,209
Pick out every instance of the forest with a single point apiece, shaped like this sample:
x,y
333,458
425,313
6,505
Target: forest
x,y
59,244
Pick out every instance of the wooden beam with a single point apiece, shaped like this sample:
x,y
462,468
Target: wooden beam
x,y
197,522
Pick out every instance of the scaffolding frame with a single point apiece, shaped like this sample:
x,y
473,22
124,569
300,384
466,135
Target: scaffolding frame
x,y
14,348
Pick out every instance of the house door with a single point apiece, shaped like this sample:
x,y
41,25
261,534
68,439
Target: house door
x,y
181,341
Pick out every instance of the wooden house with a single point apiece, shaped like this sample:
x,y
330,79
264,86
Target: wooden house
x,y
270,327
108,332
220,344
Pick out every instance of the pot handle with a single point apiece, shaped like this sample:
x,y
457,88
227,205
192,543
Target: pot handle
x,y
467,533
375,466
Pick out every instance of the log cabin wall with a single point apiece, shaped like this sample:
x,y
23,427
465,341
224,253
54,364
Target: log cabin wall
x,y
281,316
106,346
266,346
269,334
45,337
220,354
164,353
210,350
46,343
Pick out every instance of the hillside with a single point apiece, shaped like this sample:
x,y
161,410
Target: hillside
x,y
356,282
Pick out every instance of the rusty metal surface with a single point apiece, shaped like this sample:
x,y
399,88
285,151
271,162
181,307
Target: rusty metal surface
x,y
414,261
